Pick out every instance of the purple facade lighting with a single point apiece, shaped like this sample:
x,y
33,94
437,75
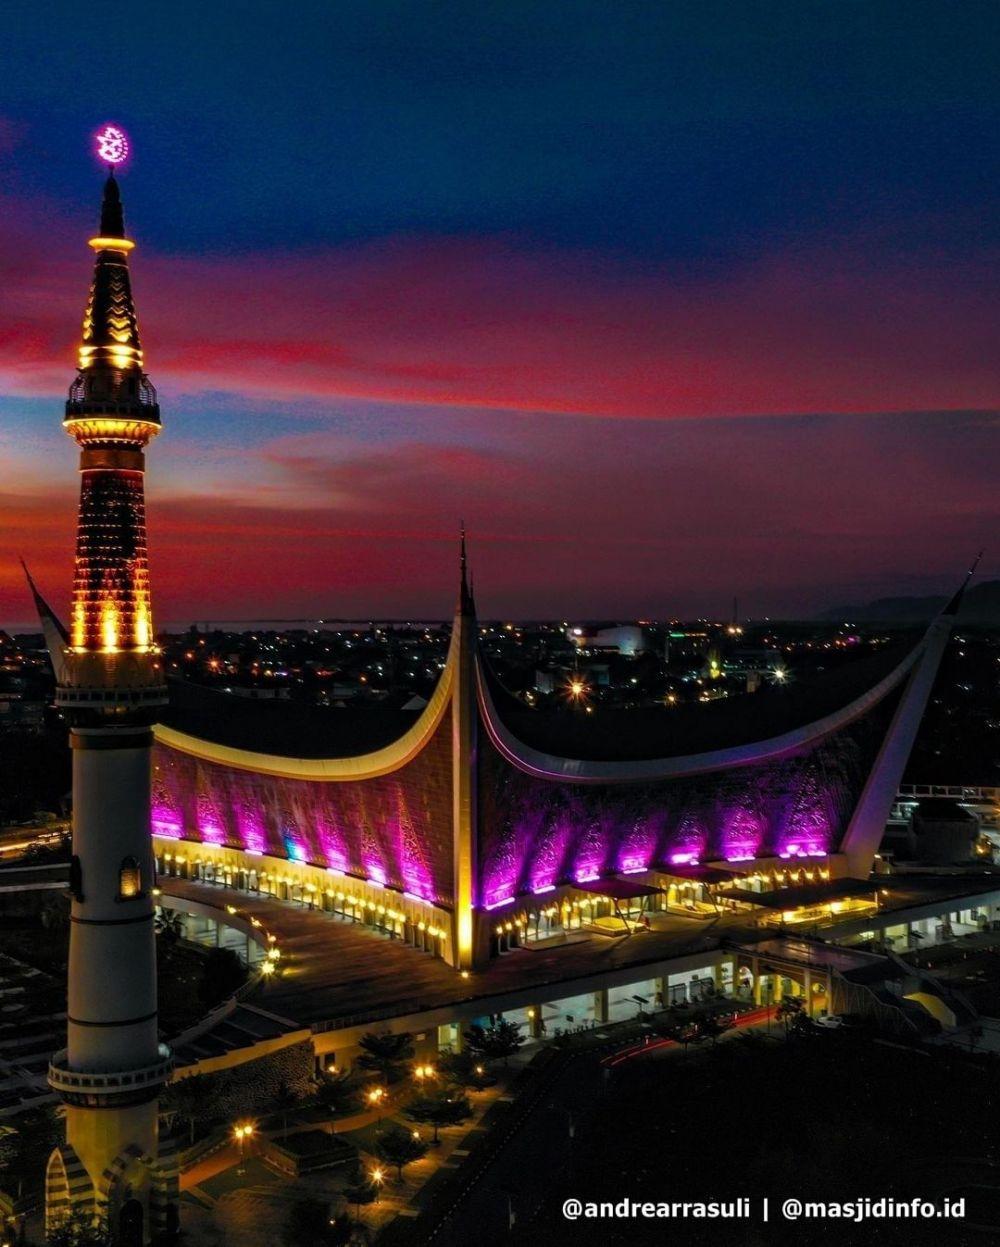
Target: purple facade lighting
x,y
393,829
539,832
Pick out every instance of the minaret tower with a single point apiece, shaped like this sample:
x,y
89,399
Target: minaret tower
x,y
109,688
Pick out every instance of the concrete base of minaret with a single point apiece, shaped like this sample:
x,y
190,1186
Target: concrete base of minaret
x,y
114,1169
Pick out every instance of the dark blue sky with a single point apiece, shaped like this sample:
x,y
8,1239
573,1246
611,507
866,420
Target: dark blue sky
x,y
655,130
593,276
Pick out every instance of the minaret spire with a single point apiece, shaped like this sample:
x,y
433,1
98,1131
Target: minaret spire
x,y
466,603
113,414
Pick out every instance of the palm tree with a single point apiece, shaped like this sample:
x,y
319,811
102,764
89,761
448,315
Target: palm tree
x,y
54,914
789,1010
385,1053
196,1100
284,1100
170,924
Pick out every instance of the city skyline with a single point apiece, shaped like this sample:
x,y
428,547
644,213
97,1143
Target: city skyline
x,y
659,336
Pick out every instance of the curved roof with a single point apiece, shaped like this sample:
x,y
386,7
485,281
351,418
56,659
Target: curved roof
x,y
299,742
643,745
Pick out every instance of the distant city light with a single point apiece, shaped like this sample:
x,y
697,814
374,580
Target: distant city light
x,y
576,688
112,144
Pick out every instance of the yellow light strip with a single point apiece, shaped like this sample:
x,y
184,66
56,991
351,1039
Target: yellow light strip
x,y
110,244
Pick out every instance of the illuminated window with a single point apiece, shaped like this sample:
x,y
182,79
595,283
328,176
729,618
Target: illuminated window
x,y
129,879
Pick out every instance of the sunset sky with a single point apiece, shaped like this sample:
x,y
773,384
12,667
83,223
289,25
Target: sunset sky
x,y
670,302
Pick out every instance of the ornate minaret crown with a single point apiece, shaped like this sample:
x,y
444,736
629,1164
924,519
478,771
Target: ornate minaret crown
x,y
113,414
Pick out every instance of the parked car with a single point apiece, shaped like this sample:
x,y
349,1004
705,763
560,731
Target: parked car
x,y
830,1021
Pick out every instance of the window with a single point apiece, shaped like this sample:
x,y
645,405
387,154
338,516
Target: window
x,y
129,880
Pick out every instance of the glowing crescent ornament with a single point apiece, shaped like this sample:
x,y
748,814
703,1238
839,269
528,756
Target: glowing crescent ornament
x,y
112,144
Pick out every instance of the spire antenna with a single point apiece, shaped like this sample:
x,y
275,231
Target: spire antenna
x,y
465,600
464,560
956,601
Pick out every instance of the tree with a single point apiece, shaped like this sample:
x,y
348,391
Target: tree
x,y
54,913
169,927
360,1190
790,1010
10,1151
438,1111
25,1149
498,1041
712,1027
312,1221
385,1053
398,1147
337,1092
80,1229
222,975
285,1099
169,924
462,1069
196,1100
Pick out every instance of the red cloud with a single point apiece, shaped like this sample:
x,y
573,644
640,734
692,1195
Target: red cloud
x,y
671,518
491,323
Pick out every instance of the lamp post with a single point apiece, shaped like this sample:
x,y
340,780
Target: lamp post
x,y
377,1177
242,1131
375,1097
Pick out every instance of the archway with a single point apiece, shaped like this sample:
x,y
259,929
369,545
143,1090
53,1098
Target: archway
x,y
130,1224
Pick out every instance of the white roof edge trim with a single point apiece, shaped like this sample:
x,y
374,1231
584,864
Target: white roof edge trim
x,y
328,770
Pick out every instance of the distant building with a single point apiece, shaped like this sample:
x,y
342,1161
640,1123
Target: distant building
x,y
21,714
625,639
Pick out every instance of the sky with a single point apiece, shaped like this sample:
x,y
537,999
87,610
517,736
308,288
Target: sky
x,y
670,303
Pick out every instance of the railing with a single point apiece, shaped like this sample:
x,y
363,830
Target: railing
x,y
67,1080
961,792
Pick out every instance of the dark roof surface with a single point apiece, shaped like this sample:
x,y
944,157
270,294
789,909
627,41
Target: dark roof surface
x,y
619,889
283,728
676,731
807,893
943,809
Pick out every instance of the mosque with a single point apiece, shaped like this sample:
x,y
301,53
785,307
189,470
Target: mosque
x,y
456,840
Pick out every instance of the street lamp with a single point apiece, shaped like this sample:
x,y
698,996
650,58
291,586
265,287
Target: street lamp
x,y
576,690
377,1177
375,1097
242,1131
